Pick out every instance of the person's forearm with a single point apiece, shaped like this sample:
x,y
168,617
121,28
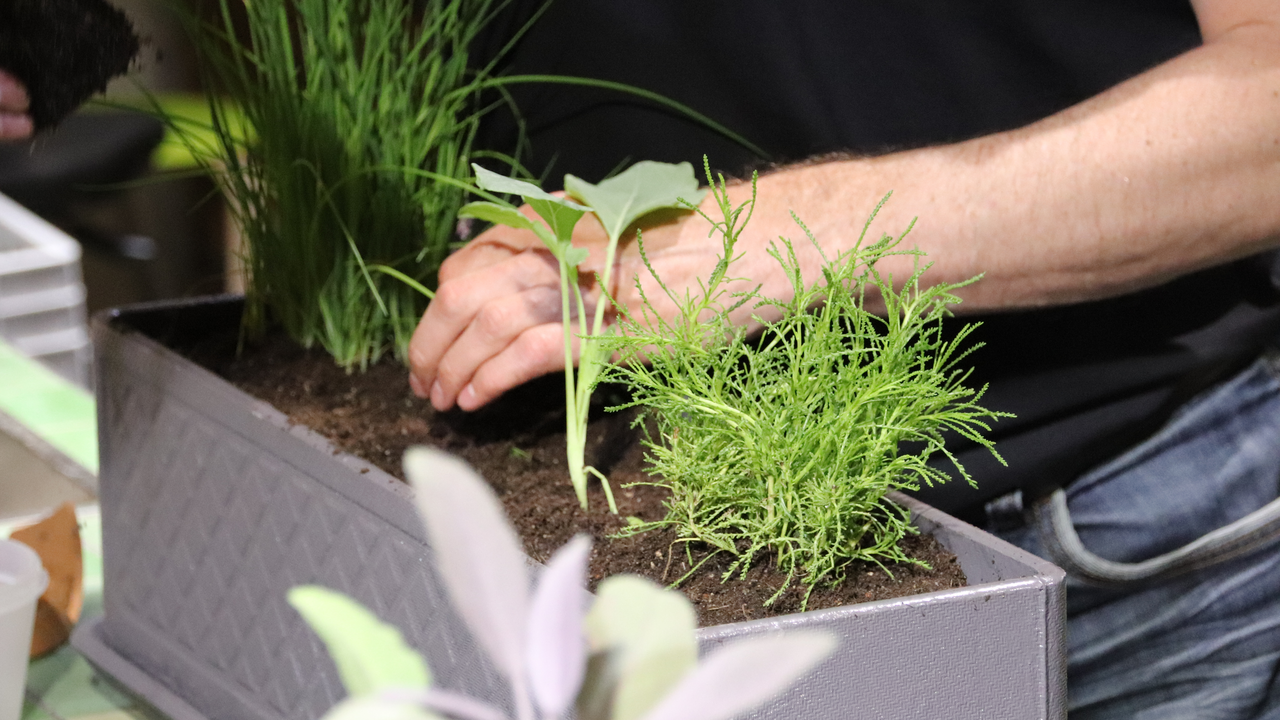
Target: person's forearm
x,y
1174,170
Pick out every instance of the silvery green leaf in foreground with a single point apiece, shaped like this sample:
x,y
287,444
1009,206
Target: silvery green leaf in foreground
x,y
479,558
642,642
372,707
556,652
370,655
642,188
443,702
743,674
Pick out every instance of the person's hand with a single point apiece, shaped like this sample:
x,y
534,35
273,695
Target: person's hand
x,y
496,319
15,123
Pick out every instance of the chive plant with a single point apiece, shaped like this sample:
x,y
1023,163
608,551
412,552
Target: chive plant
x,y
343,144
361,116
785,446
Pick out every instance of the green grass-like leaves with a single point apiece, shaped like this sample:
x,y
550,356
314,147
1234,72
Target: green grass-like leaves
x,y
784,446
361,115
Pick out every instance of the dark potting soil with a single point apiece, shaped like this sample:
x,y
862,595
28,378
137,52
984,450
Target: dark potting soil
x,y
63,51
517,443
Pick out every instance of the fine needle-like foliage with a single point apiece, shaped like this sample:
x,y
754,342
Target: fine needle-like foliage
x,y
343,144
784,446
618,203
632,656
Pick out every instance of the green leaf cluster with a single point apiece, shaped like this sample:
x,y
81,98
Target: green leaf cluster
x,y
785,446
370,654
342,135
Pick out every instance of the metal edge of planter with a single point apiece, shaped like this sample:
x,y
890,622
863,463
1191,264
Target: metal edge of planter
x,y
195,576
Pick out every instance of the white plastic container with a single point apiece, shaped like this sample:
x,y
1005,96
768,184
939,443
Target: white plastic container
x,y
22,582
42,310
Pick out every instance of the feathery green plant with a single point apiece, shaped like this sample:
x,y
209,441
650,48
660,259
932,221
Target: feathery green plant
x,y
362,115
786,445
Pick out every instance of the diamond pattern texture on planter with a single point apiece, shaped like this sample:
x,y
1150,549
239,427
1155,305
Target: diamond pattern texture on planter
x,y
228,531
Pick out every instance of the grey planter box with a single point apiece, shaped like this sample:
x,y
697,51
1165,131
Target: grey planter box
x,y
213,506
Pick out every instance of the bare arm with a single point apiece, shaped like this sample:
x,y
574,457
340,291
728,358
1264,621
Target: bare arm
x,y
1169,172
1174,170
15,124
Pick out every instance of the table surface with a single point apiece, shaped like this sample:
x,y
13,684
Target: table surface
x,y
48,455
62,685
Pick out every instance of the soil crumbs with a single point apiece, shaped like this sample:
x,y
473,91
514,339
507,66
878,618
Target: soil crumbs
x,y
517,443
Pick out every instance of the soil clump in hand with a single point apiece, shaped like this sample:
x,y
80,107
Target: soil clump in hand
x,y
63,51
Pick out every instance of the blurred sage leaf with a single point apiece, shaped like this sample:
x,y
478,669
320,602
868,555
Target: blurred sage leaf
x,y
477,553
557,646
375,708
743,674
642,641
370,655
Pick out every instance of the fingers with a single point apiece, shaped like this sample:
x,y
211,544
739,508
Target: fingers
x,y
535,352
498,325
15,124
486,310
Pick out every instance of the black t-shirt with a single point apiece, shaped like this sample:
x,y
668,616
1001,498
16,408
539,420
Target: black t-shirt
x,y
808,77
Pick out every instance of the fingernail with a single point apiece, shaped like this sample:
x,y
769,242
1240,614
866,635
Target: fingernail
x,y
467,398
416,386
437,396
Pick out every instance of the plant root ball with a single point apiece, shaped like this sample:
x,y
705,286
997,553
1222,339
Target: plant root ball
x,y
64,51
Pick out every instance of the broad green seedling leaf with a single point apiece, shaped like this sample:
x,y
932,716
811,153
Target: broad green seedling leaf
x,y
641,189
742,675
559,213
499,215
574,256
643,640
560,217
370,654
556,653
478,555
498,183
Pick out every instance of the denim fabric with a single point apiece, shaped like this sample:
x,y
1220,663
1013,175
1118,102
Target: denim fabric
x,y
1202,645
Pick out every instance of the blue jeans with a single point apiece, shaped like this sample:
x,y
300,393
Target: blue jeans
x,y
1204,644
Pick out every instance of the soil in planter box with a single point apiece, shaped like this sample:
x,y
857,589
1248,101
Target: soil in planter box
x,y
518,444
